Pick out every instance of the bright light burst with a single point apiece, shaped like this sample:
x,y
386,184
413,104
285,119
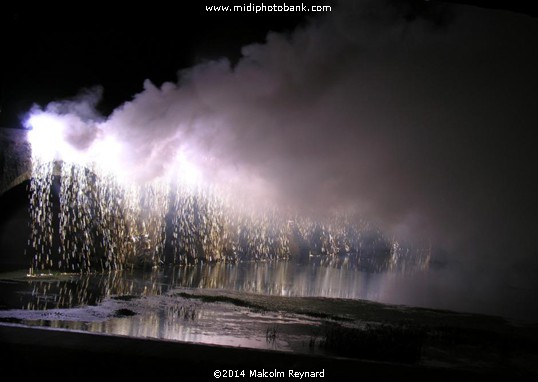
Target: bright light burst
x,y
97,219
106,156
185,171
47,136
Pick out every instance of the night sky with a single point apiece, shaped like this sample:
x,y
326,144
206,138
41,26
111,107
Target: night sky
x,y
418,116
51,52
54,52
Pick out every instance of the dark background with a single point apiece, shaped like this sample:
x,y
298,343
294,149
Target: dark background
x,y
51,52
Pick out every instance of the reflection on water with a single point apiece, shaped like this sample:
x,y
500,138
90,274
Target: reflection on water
x,y
271,278
176,318
91,302
281,279
155,303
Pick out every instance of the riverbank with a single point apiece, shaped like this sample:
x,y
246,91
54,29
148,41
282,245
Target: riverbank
x,y
39,352
142,326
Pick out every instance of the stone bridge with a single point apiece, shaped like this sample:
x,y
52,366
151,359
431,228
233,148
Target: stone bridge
x,y
15,169
15,158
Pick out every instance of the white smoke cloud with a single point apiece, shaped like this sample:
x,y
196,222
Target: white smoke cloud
x,y
419,124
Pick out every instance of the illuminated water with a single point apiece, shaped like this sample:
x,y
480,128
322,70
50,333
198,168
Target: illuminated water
x,y
279,305
268,278
91,302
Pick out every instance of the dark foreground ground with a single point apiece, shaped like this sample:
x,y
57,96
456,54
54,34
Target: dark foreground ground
x,y
36,352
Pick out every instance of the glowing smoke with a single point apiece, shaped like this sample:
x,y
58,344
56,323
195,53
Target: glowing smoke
x,y
402,122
